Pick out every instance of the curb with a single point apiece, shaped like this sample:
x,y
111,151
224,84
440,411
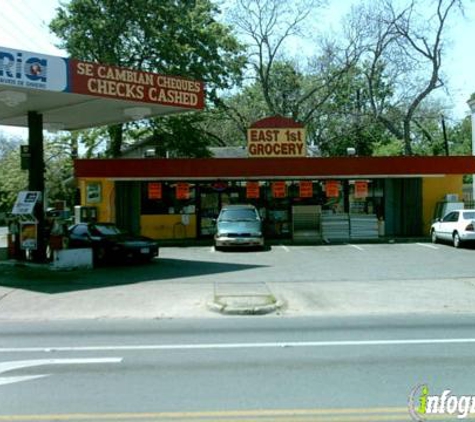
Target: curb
x,y
225,309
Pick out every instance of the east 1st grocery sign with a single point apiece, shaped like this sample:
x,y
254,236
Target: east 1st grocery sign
x,y
276,137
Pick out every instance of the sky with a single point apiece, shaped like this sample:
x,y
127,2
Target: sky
x,y
24,25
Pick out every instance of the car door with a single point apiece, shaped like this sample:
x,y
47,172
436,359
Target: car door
x,y
448,225
79,236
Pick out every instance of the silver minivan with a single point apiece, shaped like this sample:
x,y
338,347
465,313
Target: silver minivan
x,y
239,226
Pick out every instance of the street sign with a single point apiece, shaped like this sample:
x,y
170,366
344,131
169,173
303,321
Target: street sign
x,y
25,203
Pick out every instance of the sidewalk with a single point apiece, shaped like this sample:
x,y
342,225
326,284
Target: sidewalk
x,y
35,293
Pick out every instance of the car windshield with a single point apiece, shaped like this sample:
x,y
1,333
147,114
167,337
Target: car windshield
x,y
105,230
238,214
470,215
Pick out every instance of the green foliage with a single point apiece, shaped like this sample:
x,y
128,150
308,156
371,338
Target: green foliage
x,y
174,136
366,91
59,177
460,137
59,183
13,179
391,148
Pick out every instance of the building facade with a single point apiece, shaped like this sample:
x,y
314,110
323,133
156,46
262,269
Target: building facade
x,y
322,198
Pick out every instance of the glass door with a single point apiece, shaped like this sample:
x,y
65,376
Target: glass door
x,y
209,211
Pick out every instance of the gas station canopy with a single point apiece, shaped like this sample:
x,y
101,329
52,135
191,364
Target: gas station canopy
x,y
72,94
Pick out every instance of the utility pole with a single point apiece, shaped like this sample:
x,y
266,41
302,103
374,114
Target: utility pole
x,y
446,141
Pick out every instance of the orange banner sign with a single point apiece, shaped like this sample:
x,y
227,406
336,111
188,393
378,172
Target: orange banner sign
x,y
361,189
252,190
306,189
279,190
332,189
154,190
182,191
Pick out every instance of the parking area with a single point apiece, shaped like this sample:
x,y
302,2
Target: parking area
x,y
347,262
345,279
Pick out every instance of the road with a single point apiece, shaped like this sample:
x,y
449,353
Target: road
x,y
239,369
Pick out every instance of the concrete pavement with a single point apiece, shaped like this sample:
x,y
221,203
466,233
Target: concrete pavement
x,y
184,288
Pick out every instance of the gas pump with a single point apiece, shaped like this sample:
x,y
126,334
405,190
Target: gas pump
x,y
57,222
23,225
13,237
84,214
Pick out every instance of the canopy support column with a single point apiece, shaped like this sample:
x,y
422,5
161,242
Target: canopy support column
x,y
36,176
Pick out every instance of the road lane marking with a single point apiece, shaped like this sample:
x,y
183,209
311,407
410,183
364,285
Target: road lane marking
x,y
19,364
320,415
217,346
356,247
13,380
285,248
427,245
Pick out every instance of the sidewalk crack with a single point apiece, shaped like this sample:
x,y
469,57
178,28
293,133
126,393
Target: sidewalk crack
x,y
3,296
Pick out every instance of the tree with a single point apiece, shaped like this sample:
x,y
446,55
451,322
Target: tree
x,y
306,90
59,177
402,52
460,137
270,28
59,171
182,38
13,178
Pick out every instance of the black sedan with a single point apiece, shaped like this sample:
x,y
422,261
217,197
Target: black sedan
x,y
110,244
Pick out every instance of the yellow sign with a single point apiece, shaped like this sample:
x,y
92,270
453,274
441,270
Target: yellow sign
x,y
276,142
29,236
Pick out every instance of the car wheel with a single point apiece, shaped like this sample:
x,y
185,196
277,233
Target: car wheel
x,y
434,236
456,240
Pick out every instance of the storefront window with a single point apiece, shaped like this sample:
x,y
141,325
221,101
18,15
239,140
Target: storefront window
x,y
170,202
274,200
366,197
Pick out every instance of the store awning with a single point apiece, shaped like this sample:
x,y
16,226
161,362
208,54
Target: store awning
x,y
272,168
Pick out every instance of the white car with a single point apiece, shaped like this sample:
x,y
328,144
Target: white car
x,y
457,226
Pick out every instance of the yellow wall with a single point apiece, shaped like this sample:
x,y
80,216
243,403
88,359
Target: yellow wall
x,y
434,190
154,226
106,204
167,226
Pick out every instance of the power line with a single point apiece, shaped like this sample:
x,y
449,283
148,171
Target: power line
x,y
27,28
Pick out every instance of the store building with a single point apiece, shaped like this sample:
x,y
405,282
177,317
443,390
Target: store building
x,y
335,198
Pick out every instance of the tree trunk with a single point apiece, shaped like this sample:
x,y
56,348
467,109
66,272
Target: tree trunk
x,y
407,137
116,134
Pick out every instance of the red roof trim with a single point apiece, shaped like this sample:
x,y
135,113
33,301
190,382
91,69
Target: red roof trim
x,y
252,168
276,122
